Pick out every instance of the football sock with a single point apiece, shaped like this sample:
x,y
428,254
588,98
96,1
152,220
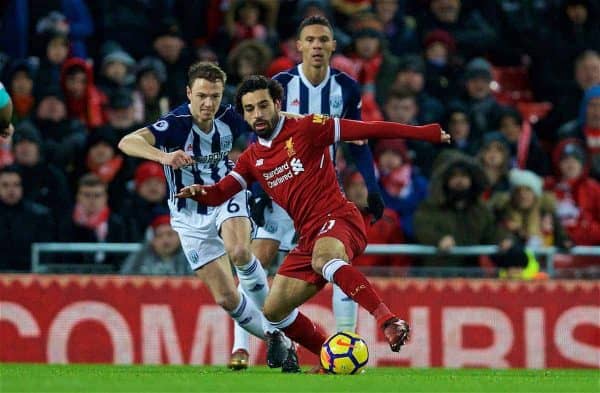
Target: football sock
x,y
253,280
241,338
302,330
356,285
345,311
247,315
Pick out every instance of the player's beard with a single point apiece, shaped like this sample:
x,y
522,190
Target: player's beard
x,y
269,127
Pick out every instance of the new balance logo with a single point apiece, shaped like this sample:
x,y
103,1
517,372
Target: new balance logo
x,y
259,162
297,166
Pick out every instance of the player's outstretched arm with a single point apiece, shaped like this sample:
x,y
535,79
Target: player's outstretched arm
x,y
213,195
349,130
140,144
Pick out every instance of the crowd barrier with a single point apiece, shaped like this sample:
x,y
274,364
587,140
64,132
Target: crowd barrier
x,y
159,320
382,249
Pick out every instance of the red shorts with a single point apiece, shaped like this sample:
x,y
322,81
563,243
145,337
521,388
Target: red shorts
x,y
345,224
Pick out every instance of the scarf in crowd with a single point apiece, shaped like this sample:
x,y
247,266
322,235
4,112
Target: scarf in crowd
x,y
592,138
97,222
108,170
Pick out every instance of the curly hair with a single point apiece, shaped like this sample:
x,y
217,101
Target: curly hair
x,y
254,83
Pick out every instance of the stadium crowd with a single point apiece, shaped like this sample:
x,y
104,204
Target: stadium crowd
x,y
515,83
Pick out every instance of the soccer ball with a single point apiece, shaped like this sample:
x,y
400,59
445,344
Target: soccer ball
x,y
344,353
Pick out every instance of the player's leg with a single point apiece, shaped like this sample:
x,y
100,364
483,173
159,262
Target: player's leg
x,y
345,310
275,235
265,250
330,260
286,295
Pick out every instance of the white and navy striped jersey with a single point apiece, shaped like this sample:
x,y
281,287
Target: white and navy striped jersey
x,y
338,95
177,131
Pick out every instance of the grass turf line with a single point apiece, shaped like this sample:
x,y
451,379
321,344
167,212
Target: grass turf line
x,y
109,378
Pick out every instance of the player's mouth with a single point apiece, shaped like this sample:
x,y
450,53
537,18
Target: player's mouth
x,y
260,125
318,56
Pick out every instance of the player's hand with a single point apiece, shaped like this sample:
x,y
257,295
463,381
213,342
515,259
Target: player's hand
x,y
257,209
177,159
445,138
375,206
191,191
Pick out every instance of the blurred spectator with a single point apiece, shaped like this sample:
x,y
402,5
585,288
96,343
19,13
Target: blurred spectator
x,y
387,230
528,213
42,182
102,158
22,19
441,70
453,214
53,51
170,48
20,85
494,157
458,125
149,99
402,186
577,194
250,57
120,112
587,127
481,104
21,223
399,29
473,35
525,149
93,221
250,19
150,194
116,70
567,104
411,76
130,23
63,137
84,100
162,254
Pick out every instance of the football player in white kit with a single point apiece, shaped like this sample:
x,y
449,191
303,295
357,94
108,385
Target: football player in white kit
x,y
192,142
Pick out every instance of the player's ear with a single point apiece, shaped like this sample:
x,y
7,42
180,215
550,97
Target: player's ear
x,y
277,104
188,92
334,44
299,45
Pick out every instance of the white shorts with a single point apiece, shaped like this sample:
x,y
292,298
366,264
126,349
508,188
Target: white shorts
x,y
278,227
199,233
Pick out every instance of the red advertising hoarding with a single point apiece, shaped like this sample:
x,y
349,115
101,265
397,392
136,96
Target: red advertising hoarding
x,y
455,323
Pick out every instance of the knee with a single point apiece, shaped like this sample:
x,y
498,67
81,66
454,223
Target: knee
x,y
239,254
266,251
320,258
228,299
272,312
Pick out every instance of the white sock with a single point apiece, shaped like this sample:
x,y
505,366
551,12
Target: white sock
x,y
248,316
331,267
241,338
253,280
345,311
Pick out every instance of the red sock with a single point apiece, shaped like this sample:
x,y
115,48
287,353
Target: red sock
x,y
305,333
356,285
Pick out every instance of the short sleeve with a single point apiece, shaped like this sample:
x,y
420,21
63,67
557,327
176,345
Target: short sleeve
x,y
164,127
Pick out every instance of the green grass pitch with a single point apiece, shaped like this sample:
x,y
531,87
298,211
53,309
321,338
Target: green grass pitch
x,y
108,378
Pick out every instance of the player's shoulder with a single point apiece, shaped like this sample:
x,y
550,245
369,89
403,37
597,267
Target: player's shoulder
x,y
286,76
343,79
226,113
179,117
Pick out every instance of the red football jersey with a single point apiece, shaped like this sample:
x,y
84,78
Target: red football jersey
x,y
294,168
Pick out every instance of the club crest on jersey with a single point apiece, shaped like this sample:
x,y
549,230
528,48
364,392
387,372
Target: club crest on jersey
x,y
289,147
226,143
320,119
335,102
161,125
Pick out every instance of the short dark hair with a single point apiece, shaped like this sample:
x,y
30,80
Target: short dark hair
x,y
257,82
206,70
314,20
12,168
90,180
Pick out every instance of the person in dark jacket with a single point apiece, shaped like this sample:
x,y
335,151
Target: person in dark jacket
x,y
22,223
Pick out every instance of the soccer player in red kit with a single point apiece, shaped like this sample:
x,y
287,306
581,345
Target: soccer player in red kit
x,y
291,161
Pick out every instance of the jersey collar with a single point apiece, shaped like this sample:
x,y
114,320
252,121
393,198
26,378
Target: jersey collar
x,y
309,83
268,142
